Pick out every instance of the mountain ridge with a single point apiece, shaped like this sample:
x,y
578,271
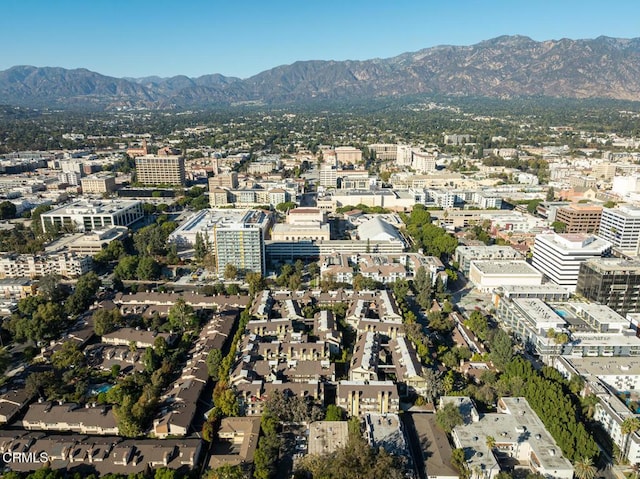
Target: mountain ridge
x,y
501,67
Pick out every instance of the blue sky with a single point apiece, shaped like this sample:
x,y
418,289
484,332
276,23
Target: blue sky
x,y
241,38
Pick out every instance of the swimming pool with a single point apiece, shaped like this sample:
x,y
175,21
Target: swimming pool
x,y
100,388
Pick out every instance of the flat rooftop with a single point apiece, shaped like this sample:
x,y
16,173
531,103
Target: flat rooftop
x,y
515,268
614,265
87,207
606,366
326,437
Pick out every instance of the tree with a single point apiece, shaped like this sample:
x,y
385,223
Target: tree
x,y
68,356
227,403
200,247
7,210
126,267
491,442
256,282
228,472
629,426
148,268
106,321
286,206
334,413
584,469
182,316
433,384
214,358
84,295
559,226
448,417
230,272
50,287
501,349
551,194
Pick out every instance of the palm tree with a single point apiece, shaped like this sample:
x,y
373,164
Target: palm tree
x,y
491,442
629,426
584,469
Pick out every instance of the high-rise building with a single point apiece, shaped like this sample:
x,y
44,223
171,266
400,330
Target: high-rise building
x,y
621,227
241,243
580,218
160,170
558,256
613,282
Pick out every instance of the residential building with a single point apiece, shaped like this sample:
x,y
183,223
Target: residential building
x,y
160,170
611,281
236,236
621,227
326,437
17,288
579,218
514,418
68,265
465,254
558,256
359,397
571,328
45,416
237,442
85,215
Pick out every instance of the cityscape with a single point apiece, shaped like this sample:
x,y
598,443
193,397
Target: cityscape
x,y
424,266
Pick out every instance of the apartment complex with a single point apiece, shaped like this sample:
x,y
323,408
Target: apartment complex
x,y
235,235
68,265
160,170
611,281
518,433
558,256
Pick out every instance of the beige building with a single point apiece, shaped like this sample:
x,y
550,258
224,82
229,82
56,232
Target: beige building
x,y
348,155
359,397
224,180
98,184
160,170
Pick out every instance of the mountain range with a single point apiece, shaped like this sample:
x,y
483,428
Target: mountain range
x,y
503,67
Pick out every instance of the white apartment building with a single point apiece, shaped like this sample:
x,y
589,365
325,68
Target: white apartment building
x,y
558,256
68,265
621,227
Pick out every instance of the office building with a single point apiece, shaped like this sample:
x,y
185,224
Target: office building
x,y
611,281
488,275
98,184
579,218
558,256
224,180
348,155
87,215
160,170
621,227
